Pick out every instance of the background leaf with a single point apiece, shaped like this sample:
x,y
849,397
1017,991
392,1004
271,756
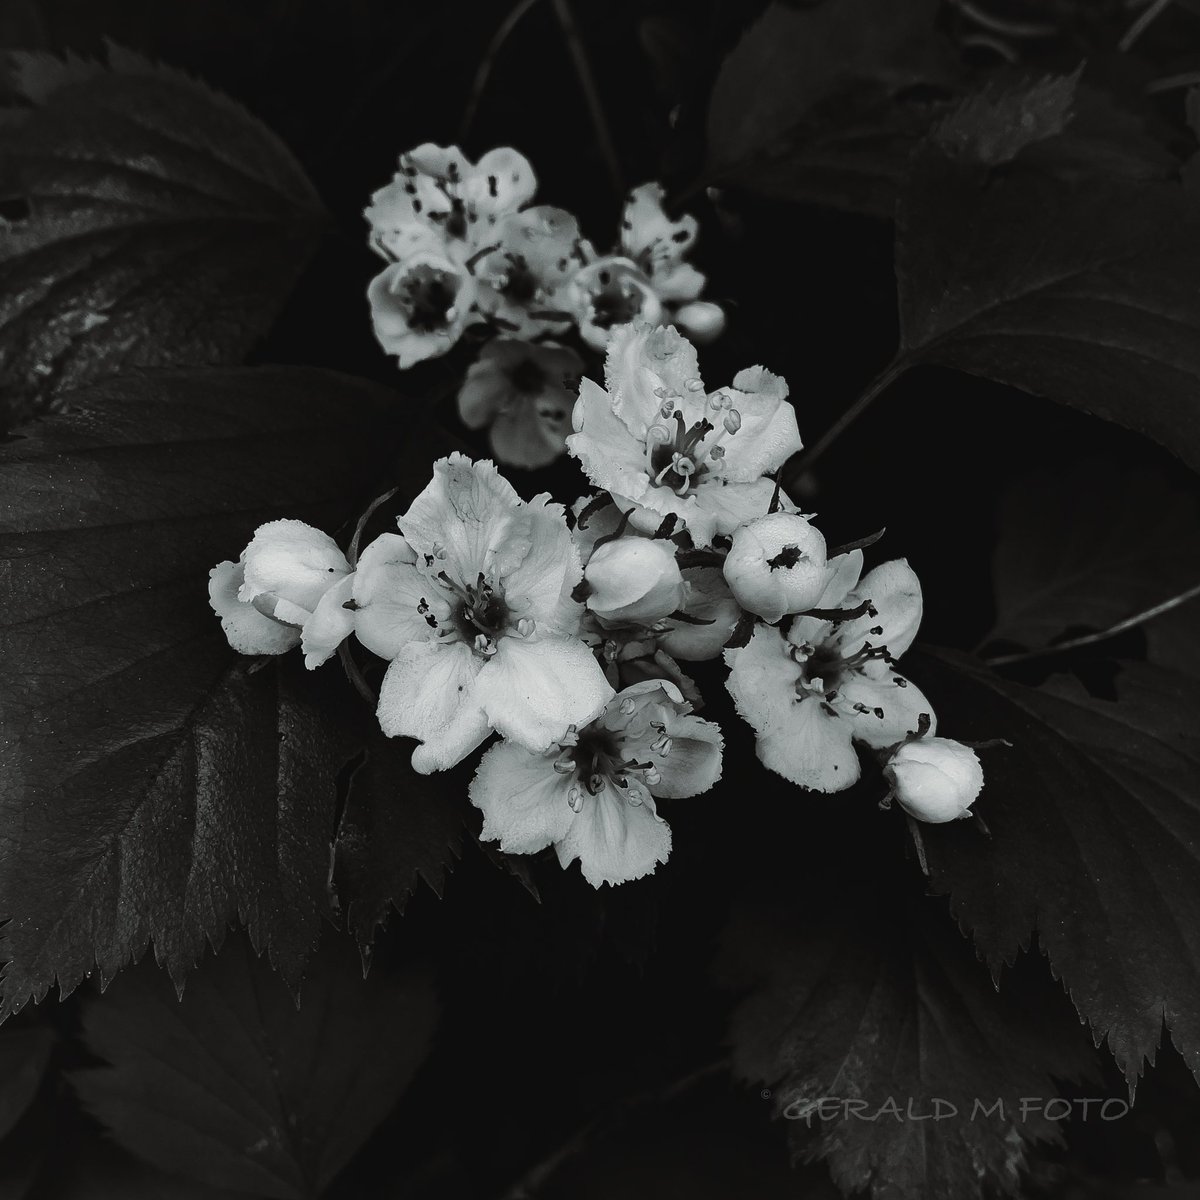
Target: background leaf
x,y
1079,289
234,1086
157,785
162,225
861,992
1094,820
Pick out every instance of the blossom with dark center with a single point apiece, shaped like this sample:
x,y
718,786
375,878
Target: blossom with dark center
x,y
472,606
440,201
593,795
524,393
609,293
420,307
661,445
814,690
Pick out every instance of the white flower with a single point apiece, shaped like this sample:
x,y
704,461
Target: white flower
x,y
420,307
661,445
633,581
473,607
935,779
525,393
288,588
593,796
523,279
714,612
607,294
438,200
813,691
776,565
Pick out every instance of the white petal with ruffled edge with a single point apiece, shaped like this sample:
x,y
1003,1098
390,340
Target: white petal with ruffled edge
x,y
902,706
388,588
247,630
430,693
534,689
524,801
694,762
292,561
615,841
895,592
329,626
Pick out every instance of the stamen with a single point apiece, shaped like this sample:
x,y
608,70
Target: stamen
x,y
564,764
526,627
484,645
695,385
733,420
662,745
575,799
627,706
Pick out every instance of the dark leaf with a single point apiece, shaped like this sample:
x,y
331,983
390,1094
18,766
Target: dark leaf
x,y
1094,816
1080,289
157,785
398,828
862,997
236,1087
164,225
1088,546
806,105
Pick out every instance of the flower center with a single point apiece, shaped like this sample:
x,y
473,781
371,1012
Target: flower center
x,y
519,284
824,670
683,457
595,758
528,378
481,615
427,295
616,300
787,558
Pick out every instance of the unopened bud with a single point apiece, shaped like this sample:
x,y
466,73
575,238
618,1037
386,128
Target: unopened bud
x,y
935,779
776,565
633,581
701,320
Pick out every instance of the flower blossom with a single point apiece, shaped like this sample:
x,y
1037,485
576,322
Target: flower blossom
x,y
420,306
646,278
524,392
438,199
633,581
934,779
593,795
288,588
811,692
472,606
663,446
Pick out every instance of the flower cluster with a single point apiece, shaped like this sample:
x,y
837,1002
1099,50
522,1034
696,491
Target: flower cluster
x,y
465,248
569,633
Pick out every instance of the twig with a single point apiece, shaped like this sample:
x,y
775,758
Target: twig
x,y
1143,22
883,380
536,1178
501,36
1018,29
1169,82
587,81
1088,639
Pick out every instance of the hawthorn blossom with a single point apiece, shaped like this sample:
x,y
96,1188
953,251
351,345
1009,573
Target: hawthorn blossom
x,y
934,779
524,393
524,277
420,306
593,796
663,446
812,691
288,588
472,606
440,201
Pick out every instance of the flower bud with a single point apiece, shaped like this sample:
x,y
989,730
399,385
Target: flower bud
x,y
935,779
701,320
633,581
776,565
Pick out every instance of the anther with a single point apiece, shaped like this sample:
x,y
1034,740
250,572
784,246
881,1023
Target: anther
x,y
628,707
662,745
695,385
526,627
733,420
564,764
484,645
575,799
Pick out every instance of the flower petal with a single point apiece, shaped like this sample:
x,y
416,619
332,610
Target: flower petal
x,y
429,693
247,630
895,592
641,359
330,624
292,561
614,840
612,457
500,182
693,764
523,800
707,598
900,704
768,436
420,306
388,588
533,689
649,236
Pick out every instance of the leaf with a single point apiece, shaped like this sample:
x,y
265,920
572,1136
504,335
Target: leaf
x,y
398,828
805,106
235,1086
157,785
24,1056
1094,819
995,124
861,997
1080,289
165,225
1088,546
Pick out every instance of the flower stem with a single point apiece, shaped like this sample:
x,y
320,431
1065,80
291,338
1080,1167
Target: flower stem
x,y
502,34
1143,22
587,81
805,459
1088,639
